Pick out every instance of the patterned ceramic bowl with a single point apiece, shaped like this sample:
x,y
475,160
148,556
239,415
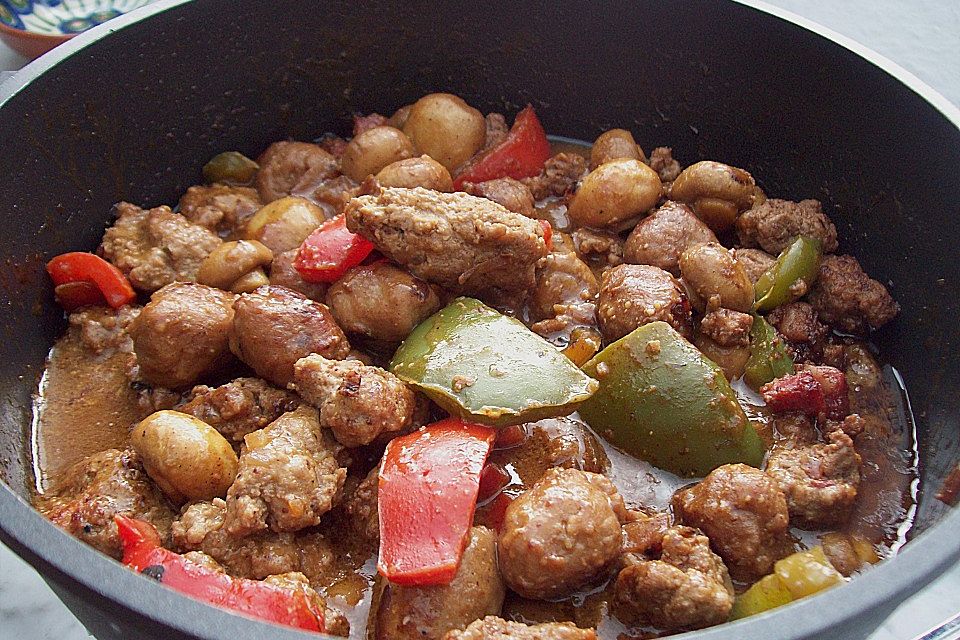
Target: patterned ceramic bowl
x,y
35,27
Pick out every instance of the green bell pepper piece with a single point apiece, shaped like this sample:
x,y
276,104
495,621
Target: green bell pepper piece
x,y
769,357
791,275
663,401
231,167
489,368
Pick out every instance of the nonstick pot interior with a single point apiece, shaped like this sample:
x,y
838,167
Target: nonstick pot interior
x,y
134,114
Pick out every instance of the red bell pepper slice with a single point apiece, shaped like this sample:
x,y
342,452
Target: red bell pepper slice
x,y
142,553
428,487
79,266
330,251
520,155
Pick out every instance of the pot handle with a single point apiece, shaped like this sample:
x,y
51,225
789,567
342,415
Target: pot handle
x,y
948,630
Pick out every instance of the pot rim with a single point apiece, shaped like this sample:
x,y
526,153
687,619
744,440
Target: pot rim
x,y
85,572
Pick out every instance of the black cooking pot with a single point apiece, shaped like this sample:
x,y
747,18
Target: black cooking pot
x,y
133,114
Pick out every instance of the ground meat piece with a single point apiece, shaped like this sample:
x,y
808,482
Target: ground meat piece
x,y
559,177
221,208
287,168
560,534
806,336
794,428
813,390
512,194
643,534
497,131
744,513
661,161
99,487
819,480
754,262
428,613
335,623
156,247
273,327
728,328
182,334
239,407
493,628
283,274
331,195
200,527
666,233
363,123
105,331
359,506
686,588
381,301
600,249
332,144
774,224
287,478
562,279
464,243
356,402
633,295
848,299
553,442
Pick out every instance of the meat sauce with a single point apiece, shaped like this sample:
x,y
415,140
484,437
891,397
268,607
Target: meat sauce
x,y
86,404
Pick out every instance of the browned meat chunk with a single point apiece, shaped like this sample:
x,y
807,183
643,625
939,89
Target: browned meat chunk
x,y
221,208
96,489
643,533
273,327
288,476
799,324
363,123
356,402
283,274
633,295
381,301
686,588
562,279
156,247
182,334
293,168
335,623
774,224
848,298
744,513
819,480
661,161
359,506
493,628
553,442
428,613
512,194
754,262
105,331
464,243
728,328
666,233
239,407
497,130
600,249
201,528
559,177
560,534
796,427
332,195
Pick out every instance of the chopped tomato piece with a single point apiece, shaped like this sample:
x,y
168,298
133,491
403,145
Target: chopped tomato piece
x,y
330,251
547,234
520,155
812,390
429,481
142,553
493,478
79,266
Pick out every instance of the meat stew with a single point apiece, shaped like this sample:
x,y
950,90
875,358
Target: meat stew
x,y
254,409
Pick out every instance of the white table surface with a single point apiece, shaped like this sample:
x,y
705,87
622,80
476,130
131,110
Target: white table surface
x,y
921,35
